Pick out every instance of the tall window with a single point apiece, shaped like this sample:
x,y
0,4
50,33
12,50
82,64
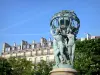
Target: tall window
x,y
49,44
30,59
28,46
18,47
8,49
47,58
24,46
35,61
13,48
48,51
41,58
31,53
33,46
38,45
24,54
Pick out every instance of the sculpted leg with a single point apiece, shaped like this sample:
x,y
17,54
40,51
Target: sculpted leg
x,y
56,54
61,48
72,55
68,52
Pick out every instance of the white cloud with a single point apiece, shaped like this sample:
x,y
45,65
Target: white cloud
x,y
17,24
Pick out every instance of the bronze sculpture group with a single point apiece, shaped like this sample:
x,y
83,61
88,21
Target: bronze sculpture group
x,y
64,27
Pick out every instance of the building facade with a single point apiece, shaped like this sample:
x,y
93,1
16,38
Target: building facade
x,y
89,36
33,52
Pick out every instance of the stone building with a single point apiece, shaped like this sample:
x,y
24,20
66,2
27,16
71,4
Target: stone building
x,y
89,36
33,52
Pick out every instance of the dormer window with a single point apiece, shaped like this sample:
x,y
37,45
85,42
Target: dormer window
x,y
30,59
38,45
7,49
47,58
24,46
18,47
28,46
33,46
13,48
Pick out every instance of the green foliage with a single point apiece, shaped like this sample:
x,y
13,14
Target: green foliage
x,y
87,57
42,68
20,66
5,67
87,62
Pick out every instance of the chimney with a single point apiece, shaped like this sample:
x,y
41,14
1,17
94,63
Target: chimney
x,y
88,36
22,42
3,49
33,42
42,41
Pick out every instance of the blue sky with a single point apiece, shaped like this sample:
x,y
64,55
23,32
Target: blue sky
x,y
30,19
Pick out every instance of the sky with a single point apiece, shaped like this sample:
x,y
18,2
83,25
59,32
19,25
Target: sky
x,y
30,19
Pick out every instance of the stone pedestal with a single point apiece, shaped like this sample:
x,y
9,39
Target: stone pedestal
x,y
63,71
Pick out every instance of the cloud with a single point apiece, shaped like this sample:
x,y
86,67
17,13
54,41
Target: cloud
x,y
16,24
22,22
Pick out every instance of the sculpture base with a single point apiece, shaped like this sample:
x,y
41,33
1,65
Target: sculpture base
x,y
63,71
63,66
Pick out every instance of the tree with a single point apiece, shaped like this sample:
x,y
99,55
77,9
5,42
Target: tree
x,y
42,68
20,66
5,67
87,57
87,62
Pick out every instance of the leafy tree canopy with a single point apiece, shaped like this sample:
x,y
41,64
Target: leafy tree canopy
x,y
5,67
87,62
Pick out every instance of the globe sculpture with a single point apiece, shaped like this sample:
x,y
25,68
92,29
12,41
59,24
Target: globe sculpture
x,y
64,27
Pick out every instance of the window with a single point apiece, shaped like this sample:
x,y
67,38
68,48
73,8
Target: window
x,y
6,49
45,51
35,60
30,59
24,54
31,53
28,46
41,58
38,59
47,58
13,48
18,47
33,46
24,46
48,51
9,49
